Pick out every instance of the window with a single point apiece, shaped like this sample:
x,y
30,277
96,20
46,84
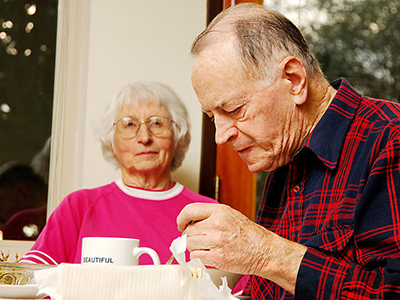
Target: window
x,y
27,52
355,39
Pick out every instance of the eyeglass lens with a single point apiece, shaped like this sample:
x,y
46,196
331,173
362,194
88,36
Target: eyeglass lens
x,y
157,125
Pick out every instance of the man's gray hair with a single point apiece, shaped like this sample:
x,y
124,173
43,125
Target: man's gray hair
x,y
262,37
143,93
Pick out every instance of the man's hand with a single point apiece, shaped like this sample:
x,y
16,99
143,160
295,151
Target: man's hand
x,y
226,239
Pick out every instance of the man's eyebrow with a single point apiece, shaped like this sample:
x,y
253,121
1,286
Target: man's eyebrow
x,y
220,106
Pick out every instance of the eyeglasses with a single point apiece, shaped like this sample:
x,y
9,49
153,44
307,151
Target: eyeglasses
x,y
129,126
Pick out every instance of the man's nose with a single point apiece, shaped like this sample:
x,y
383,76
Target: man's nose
x,y
224,130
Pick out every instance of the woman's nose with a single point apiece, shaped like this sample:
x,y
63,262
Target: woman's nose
x,y
143,135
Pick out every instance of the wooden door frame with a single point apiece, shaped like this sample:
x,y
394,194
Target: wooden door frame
x,y
209,150
208,158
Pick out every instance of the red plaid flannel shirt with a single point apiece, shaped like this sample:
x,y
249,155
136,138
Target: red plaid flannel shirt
x,y
340,196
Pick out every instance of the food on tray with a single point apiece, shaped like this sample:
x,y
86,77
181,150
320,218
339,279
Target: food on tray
x,y
19,273
4,257
15,275
197,272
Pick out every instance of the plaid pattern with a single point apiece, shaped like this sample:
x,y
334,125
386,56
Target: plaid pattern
x,y
338,196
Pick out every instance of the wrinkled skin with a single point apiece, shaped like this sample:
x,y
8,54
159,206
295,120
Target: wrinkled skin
x,y
145,160
226,239
266,124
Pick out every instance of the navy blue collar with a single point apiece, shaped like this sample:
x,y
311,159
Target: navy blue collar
x,y
327,138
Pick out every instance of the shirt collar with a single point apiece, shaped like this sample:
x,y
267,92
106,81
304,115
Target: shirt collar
x,y
150,194
327,138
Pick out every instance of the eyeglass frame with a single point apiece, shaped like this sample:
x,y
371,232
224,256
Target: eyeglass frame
x,y
144,122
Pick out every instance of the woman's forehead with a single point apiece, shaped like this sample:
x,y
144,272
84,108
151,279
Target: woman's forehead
x,y
139,108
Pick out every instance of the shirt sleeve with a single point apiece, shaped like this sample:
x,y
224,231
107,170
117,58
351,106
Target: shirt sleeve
x,y
372,269
58,241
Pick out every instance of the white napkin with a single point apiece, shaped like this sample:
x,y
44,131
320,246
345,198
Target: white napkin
x,y
206,287
178,249
105,282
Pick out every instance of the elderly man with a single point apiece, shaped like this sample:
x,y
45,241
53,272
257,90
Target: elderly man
x,y
329,224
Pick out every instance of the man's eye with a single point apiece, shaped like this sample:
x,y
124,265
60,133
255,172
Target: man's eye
x,y
235,111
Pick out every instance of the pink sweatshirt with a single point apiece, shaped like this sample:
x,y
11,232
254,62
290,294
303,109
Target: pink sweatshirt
x,y
113,210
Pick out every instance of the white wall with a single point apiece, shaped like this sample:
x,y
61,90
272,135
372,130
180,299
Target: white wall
x,y
134,41
102,46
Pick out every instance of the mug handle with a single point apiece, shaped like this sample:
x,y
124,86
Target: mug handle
x,y
144,250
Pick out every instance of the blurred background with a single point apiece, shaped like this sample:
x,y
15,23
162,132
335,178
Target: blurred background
x,y
356,39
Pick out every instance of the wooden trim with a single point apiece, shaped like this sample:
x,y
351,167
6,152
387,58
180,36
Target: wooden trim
x,y
249,1
237,185
208,164
208,146
228,3
208,158
214,7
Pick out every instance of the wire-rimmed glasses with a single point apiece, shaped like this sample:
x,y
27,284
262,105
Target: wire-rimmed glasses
x,y
129,126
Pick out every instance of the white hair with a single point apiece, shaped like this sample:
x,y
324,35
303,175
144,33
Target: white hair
x,y
144,92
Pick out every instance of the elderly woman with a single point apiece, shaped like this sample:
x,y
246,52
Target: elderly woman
x,y
145,132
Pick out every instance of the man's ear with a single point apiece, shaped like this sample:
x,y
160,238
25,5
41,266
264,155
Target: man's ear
x,y
296,75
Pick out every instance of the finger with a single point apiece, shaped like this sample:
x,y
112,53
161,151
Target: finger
x,y
197,242
203,255
209,258
194,212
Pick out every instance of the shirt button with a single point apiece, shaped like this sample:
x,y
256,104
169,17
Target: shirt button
x,y
296,188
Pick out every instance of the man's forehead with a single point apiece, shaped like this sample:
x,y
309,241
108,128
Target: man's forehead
x,y
216,64
211,59
227,101
217,74
216,35
217,44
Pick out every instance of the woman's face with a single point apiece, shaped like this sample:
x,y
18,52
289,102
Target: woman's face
x,y
144,153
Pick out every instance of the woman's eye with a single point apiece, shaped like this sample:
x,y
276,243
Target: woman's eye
x,y
155,123
130,124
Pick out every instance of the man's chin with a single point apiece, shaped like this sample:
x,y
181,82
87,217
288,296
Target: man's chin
x,y
256,163
254,167
257,166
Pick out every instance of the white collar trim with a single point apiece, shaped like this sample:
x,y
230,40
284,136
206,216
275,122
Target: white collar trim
x,y
150,195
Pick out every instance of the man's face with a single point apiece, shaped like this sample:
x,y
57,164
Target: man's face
x,y
254,118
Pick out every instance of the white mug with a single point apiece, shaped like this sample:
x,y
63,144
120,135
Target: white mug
x,y
116,251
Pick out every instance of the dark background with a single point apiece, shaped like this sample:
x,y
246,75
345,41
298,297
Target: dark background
x,y
26,82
